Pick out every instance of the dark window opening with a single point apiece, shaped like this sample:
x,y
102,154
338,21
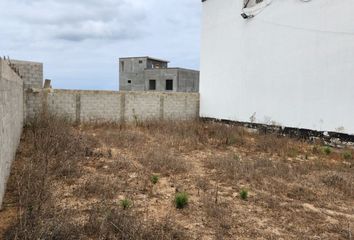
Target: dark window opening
x,y
152,84
155,65
140,61
169,84
129,81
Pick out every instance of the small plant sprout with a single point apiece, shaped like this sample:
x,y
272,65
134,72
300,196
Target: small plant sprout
x,y
244,194
347,155
181,200
125,203
327,150
154,179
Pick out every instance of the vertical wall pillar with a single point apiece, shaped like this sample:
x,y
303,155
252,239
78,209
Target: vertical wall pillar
x,y
78,108
122,107
162,107
45,108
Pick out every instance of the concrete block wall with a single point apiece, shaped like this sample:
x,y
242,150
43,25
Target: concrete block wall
x,y
110,106
11,120
31,73
33,104
99,106
186,103
142,106
61,103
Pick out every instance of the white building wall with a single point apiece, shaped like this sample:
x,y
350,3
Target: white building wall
x,y
293,64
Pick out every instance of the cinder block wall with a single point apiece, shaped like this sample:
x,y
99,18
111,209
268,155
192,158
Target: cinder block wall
x,y
31,73
109,106
11,120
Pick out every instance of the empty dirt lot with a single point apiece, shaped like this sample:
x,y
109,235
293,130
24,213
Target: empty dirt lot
x,y
121,181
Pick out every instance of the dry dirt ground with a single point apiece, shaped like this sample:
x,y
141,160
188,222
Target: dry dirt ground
x,y
120,182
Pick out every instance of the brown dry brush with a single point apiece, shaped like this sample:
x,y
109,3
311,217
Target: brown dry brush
x,y
109,222
218,216
164,161
53,151
197,133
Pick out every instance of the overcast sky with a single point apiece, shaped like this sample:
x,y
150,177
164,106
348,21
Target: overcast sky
x,y
80,41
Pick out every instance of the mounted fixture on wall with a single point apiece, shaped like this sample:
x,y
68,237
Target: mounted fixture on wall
x,y
252,7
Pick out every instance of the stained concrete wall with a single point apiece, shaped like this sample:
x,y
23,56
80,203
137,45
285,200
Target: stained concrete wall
x,y
188,80
11,120
109,106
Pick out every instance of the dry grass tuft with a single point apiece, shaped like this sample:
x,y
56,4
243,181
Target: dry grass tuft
x,y
219,216
342,182
112,223
276,144
98,187
233,168
164,162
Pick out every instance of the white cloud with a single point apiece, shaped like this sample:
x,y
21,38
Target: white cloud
x,y
77,20
80,40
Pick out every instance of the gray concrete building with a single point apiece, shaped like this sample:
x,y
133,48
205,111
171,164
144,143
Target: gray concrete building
x,y
152,74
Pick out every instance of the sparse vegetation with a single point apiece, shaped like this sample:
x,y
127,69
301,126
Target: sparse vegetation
x,y
155,179
244,194
327,150
347,155
181,200
164,162
125,203
80,182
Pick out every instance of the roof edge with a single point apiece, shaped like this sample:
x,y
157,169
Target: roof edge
x,y
150,58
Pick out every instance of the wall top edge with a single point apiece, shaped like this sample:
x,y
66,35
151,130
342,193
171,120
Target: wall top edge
x,y
8,74
68,91
25,62
172,68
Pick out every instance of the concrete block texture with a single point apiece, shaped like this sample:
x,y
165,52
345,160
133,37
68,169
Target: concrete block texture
x,y
11,120
111,106
31,73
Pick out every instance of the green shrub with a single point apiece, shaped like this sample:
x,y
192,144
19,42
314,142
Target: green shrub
x,y
181,200
154,179
244,194
347,155
125,203
327,150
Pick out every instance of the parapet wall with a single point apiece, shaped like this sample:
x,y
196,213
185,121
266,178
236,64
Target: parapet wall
x,y
11,120
109,106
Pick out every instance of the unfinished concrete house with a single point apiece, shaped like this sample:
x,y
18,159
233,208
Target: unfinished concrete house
x,y
152,74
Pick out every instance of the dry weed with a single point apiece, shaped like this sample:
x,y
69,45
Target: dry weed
x,y
98,187
276,144
164,162
112,223
54,152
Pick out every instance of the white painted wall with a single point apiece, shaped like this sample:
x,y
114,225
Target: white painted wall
x,y
293,64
